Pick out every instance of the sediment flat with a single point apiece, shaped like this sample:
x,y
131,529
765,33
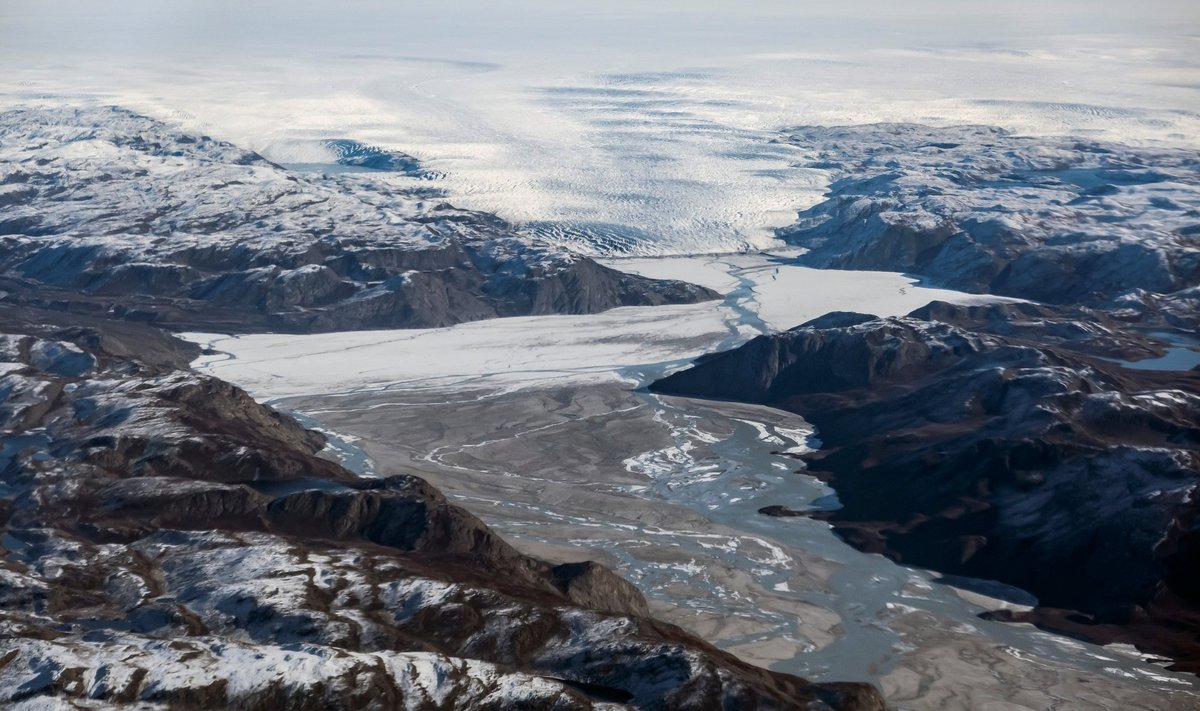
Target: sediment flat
x,y
549,470
538,426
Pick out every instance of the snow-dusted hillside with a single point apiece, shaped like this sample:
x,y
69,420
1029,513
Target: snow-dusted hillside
x,y
1057,220
105,210
168,542
1043,447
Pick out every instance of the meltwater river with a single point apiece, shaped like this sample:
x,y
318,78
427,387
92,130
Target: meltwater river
x,y
542,427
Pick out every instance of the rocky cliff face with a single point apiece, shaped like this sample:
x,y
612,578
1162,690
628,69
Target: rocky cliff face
x,y
103,211
1002,442
1062,221
169,543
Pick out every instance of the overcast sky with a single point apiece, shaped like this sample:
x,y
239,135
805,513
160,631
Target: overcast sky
x,y
482,28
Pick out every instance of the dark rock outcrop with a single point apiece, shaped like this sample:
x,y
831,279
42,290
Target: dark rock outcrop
x,y
1044,445
592,585
1000,442
779,511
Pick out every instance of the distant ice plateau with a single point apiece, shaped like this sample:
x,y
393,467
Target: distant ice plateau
x,y
650,131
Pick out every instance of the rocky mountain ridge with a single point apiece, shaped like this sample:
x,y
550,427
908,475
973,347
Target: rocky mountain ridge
x,y
995,442
103,211
170,543
1055,220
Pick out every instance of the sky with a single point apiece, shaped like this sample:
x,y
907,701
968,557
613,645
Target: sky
x,y
640,126
479,27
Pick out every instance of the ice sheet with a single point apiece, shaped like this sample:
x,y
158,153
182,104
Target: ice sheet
x,y
615,126
714,272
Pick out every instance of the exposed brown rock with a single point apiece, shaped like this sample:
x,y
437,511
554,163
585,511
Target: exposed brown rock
x,y
170,541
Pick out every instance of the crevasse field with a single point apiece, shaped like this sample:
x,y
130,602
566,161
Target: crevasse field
x,y
641,128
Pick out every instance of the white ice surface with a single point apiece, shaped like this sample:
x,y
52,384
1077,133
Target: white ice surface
x,y
524,351
789,296
646,126
715,272
785,295
549,350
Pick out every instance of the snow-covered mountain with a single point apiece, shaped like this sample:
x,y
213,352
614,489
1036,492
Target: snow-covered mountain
x,y
103,210
973,207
